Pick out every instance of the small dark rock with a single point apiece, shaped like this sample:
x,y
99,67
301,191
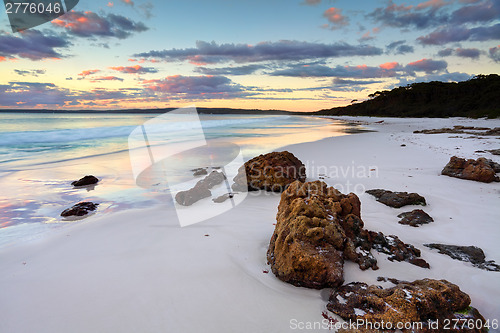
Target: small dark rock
x,y
415,218
494,151
397,199
472,254
397,249
403,145
87,180
80,209
200,172
223,197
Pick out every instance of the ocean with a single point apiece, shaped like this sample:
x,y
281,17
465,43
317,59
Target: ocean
x,y
42,153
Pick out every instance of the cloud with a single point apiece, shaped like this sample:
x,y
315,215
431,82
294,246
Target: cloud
x,y
240,70
468,53
485,11
335,17
460,33
434,4
89,72
351,85
361,71
428,66
110,4
106,78
128,2
32,72
424,15
33,45
385,70
312,2
445,77
31,94
179,84
90,24
146,9
137,69
446,52
494,53
472,53
211,53
399,47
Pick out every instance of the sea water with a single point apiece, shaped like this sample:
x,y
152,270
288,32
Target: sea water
x,y
42,153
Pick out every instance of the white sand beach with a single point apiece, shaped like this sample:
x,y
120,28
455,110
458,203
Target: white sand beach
x,y
139,271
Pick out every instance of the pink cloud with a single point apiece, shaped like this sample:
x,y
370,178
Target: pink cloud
x,y
137,69
90,24
110,4
432,4
389,65
89,72
335,17
106,78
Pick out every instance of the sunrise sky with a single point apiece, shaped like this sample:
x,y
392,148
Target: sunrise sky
x,y
274,54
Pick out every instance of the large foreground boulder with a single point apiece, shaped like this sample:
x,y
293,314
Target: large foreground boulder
x,y
270,172
317,229
431,303
481,170
397,199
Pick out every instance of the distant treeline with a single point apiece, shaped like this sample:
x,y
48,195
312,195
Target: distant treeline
x,y
477,97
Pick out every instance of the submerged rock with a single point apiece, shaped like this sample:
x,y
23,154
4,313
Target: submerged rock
x,y
200,172
80,209
87,180
222,198
422,301
397,199
270,172
472,254
415,218
201,190
317,229
481,170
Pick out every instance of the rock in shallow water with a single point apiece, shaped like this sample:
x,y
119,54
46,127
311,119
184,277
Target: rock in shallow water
x,y
270,172
87,180
472,254
415,218
481,170
317,229
397,199
80,209
201,190
420,301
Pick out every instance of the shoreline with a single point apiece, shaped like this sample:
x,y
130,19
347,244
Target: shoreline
x,y
137,270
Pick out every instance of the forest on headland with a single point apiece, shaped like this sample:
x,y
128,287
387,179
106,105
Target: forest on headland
x,y
474,98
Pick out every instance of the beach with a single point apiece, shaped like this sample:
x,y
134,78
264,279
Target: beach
x,y
137,270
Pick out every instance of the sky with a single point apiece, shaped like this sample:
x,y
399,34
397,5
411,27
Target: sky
x,y
297,55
